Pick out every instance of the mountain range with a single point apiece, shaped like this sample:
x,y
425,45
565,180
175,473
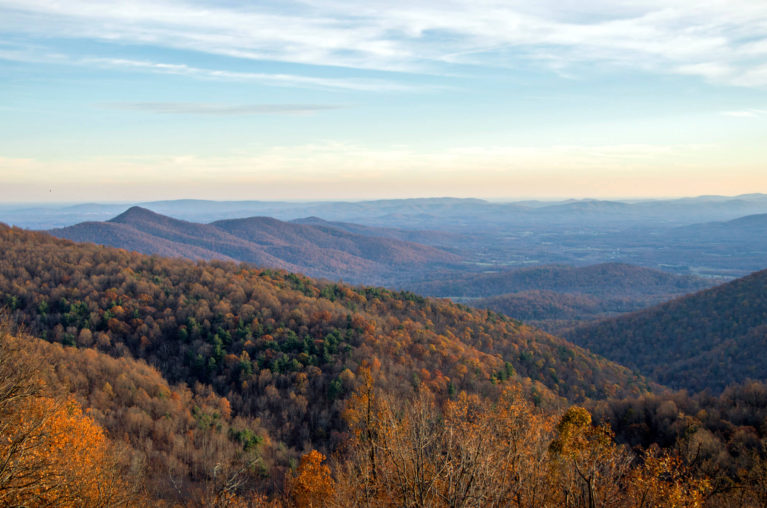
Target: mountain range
x,y
418,213
553,297
499,235
318,250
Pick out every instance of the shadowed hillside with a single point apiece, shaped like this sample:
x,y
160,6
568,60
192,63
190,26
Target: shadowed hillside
x,y
558,298
558,312
706,340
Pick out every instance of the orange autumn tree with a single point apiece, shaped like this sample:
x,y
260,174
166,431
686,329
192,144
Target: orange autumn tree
x,y
664,480
311,486
54,454
50,452
587,465
418,451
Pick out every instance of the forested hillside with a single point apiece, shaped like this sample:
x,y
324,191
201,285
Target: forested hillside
x,y
116,434
556,312
710,339
82,429
277,344
229,385
51,452
147,441
722,437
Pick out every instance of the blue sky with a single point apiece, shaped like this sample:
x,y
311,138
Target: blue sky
x,y
157,99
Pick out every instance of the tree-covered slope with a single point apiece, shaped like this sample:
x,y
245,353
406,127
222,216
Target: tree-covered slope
x,y
557,312
248,369
706,340
244,330
557,298
172,445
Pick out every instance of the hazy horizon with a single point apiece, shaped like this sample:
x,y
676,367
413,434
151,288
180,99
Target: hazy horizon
x,y
500,200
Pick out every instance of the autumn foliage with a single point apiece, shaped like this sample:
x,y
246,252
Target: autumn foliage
x,y
312,485
471,452
226,385
51,454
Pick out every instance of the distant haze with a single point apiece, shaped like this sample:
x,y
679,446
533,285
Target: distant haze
x,y
525,186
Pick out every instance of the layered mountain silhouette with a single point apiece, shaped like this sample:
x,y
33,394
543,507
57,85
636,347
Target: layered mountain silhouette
x,y
706,340
443,239
748,230
602,279
558,297
316,250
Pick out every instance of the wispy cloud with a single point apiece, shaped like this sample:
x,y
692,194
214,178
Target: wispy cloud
x,y
213,109
37,55
723,41
746,113
296,80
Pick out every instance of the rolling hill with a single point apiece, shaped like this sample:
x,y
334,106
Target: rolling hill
x,y
558,312
442,239
557,298
649,233
709,339
750,230
283,237
213,378
596,280
188,319
317,250
251,368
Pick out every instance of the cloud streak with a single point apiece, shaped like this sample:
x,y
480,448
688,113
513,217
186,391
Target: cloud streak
x,y
272,79
36,55
722,41
746,113
214,109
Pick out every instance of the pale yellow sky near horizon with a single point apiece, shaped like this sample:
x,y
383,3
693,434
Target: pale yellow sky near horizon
x,y
338,171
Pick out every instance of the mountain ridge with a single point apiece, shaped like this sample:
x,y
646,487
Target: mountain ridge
x,y
317,250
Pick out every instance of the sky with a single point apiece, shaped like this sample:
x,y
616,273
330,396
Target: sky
x,y
317,100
